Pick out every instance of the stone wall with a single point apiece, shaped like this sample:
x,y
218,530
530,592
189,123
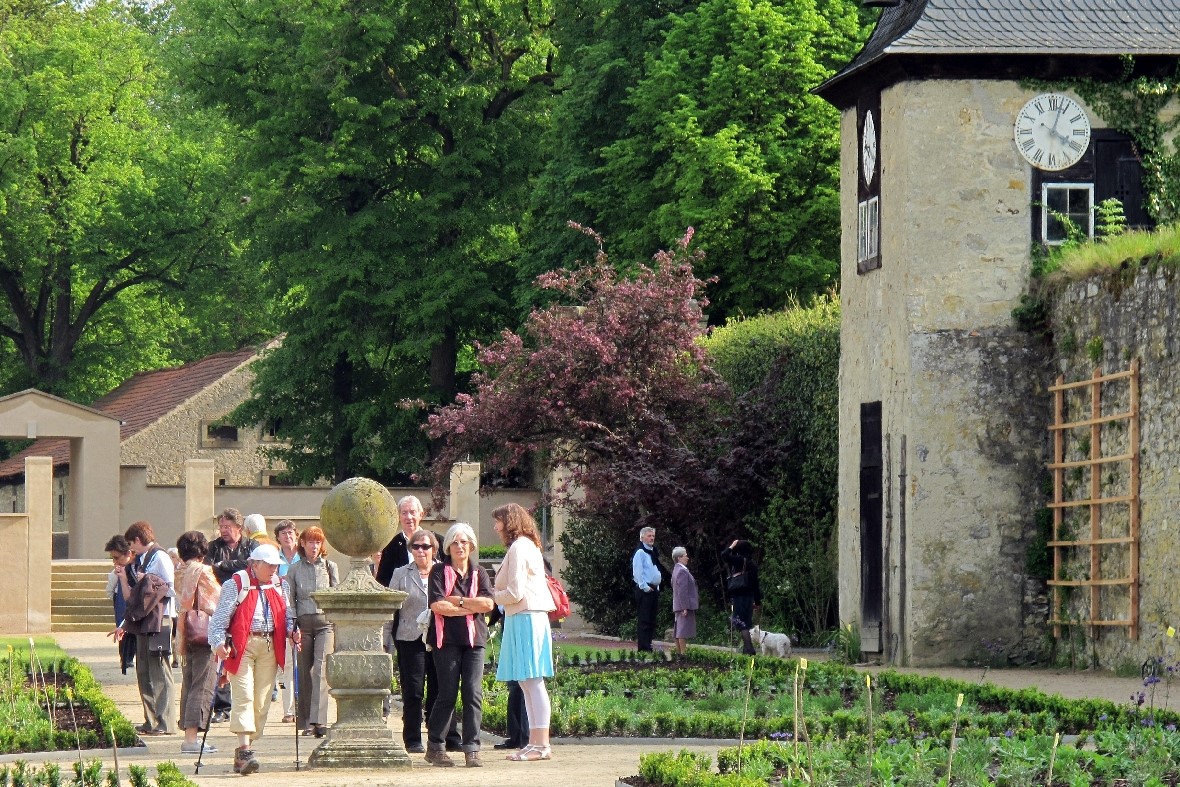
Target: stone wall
x,y
1106,322
930,335
164,446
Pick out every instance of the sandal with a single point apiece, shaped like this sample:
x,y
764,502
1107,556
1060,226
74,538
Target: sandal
x,y
309,731
532,753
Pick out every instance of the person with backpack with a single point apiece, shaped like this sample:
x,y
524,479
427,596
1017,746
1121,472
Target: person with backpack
x,y
526,652
249,633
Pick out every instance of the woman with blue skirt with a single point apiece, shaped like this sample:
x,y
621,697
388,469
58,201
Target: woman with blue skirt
x,y
526,652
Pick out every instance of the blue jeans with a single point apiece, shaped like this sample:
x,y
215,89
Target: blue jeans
x,y
459,669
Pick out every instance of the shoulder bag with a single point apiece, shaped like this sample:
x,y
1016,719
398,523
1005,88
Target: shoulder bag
x,y
561,601
196,622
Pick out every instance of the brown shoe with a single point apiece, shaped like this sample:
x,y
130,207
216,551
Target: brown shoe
x,y
438,757
472,759
245,762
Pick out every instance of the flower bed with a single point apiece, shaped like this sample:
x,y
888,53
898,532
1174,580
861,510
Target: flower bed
x,y
52,702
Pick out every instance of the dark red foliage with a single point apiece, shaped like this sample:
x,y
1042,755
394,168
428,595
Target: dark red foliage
x,y
611,384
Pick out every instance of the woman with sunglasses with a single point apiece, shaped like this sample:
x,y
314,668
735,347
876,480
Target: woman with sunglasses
x,y
460,595
415,669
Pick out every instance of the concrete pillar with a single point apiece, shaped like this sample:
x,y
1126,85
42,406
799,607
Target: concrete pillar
x,y
558,517
199,506
39,507
464,499
94,490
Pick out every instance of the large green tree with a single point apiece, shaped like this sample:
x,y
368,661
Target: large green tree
x,y
393,143
114,211
712,126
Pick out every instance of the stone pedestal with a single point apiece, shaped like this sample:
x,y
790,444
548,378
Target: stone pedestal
x,y
359,672
359,517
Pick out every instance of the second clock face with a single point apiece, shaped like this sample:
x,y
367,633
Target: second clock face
x,y
1052,132
868,148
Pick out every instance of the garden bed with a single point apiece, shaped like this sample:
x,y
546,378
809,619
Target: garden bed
x,y
851,729
51,702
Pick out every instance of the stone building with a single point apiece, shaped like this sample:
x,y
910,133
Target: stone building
x,y
165,417
951,161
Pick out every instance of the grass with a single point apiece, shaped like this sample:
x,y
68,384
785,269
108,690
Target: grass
x,y
47,648
1109,255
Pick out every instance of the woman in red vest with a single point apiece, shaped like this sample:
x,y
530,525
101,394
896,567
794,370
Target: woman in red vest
x,y
249,633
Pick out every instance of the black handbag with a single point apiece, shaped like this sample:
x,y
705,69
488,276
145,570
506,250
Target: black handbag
x,y
160,643
738,583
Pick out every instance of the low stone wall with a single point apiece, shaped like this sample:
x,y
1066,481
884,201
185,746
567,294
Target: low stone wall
x,y
1105,323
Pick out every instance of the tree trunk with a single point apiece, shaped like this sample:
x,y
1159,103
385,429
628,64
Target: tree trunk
x,y
342,390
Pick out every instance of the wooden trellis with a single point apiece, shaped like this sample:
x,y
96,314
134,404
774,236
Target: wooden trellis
x,y
1127,537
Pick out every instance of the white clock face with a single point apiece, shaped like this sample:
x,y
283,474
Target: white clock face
x,y
1052,132
868,148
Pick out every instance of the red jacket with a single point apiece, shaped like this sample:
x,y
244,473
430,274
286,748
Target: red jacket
x,y
239,624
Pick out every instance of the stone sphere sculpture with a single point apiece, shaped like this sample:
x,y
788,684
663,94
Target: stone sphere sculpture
x,y
359,517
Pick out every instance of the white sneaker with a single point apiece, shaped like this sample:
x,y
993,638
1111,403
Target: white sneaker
x,y
195,748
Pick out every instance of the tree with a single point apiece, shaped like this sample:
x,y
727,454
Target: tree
x,y
717,130
613,385
113,203
393,146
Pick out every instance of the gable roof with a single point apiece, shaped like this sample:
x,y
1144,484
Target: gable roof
x,y
141,401
1019,28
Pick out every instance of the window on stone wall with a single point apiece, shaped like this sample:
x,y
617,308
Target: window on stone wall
x,y
270,431
868,234
1065,208
276,478
218,434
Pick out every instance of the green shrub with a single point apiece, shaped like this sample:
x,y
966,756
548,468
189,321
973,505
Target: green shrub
x,y
792,357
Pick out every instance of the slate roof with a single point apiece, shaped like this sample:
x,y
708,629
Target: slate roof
x,y
1020,27
141,401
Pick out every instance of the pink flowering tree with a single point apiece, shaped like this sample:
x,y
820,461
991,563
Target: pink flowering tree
x,y
610,382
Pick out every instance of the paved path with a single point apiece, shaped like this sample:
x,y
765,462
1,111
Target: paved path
x,y
576,763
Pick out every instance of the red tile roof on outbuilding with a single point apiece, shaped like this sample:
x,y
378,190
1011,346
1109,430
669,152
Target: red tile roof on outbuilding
x,y
141,401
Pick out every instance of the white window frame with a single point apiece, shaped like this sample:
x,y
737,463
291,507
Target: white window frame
x,y
868,230
1045,189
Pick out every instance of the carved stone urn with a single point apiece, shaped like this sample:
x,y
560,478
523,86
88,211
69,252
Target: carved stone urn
x,y
359,517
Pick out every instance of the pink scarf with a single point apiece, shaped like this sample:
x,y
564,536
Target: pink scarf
x,y
450,578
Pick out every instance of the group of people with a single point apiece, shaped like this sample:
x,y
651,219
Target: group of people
x,y
258,623
241,606
648,574
440,634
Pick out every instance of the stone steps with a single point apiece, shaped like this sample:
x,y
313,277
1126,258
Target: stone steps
x,y
78,600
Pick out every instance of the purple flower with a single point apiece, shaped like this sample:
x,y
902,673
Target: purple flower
x,y
922,736
892,741
1103,717
1008,733
1147,722
1170,728
1151,680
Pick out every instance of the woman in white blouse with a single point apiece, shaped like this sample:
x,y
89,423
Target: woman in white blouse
x,y
526,654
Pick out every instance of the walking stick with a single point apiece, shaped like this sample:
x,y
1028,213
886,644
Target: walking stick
x,y
209,718
295,676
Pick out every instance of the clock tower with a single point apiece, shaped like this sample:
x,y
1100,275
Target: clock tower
x,y
954,166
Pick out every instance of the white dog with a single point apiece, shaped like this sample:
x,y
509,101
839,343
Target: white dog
x,y
770,643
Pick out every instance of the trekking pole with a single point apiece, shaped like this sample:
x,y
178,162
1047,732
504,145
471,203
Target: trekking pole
x,y
209,718
295,677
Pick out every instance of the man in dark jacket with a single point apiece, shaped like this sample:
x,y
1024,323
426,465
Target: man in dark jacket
x,y
397,552
227,555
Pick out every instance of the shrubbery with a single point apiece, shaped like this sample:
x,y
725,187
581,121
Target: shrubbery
x,y
790,360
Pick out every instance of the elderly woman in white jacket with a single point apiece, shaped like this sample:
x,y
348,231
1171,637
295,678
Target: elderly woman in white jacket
x,y
526,654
